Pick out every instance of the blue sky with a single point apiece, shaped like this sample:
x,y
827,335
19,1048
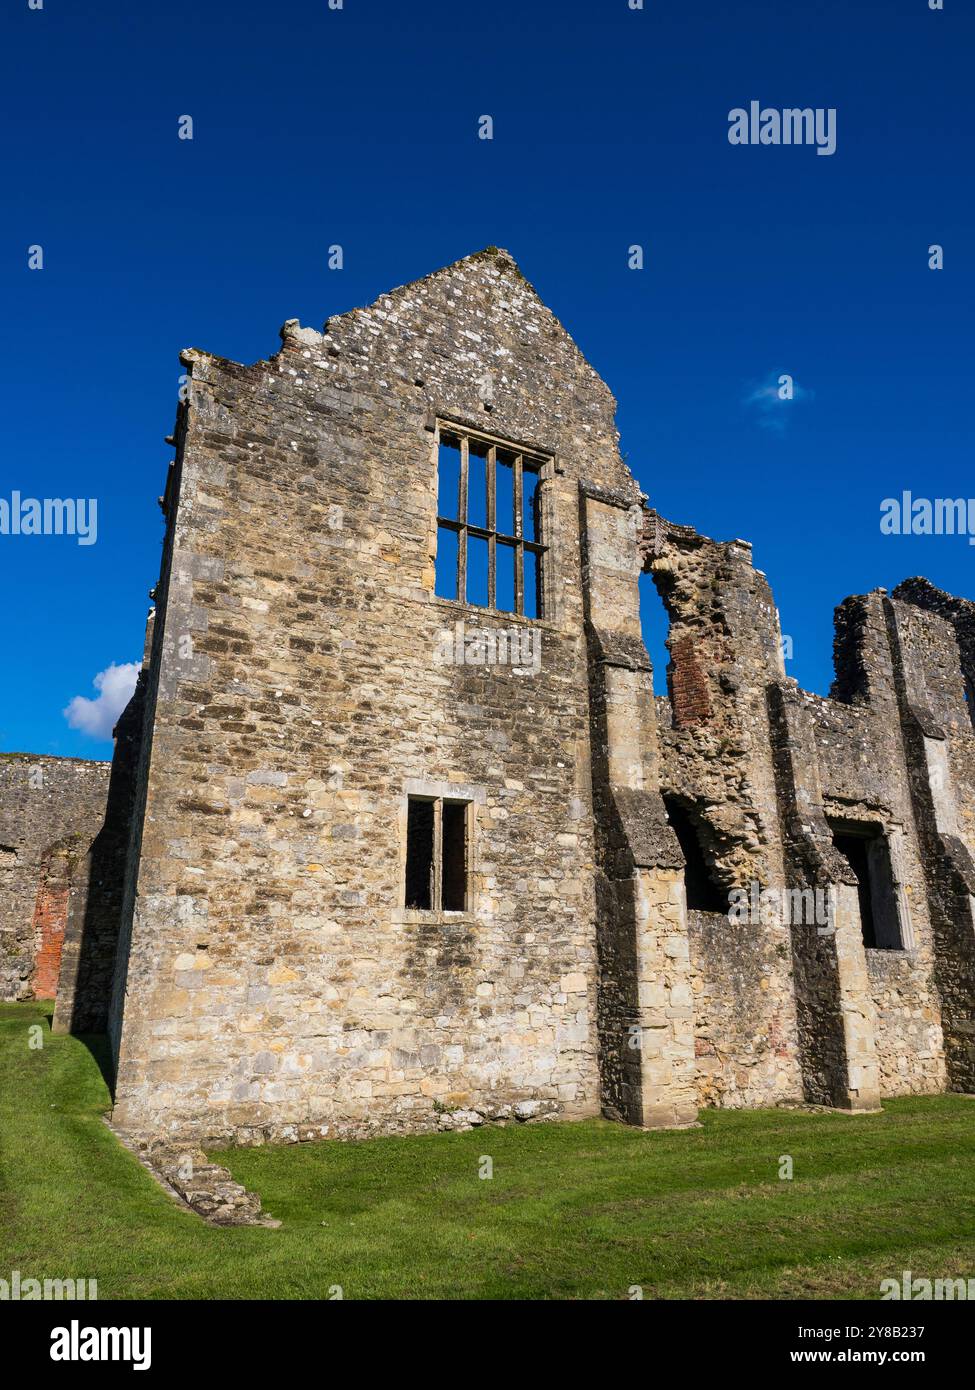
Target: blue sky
x,y
358,126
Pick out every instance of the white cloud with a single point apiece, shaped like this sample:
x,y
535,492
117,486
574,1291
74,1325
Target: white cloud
x,y
771,399
97,717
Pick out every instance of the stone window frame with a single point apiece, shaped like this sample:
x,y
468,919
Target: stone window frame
x,y
891,831
541,463
426,790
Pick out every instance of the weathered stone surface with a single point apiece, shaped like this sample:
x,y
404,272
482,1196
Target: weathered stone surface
x,y
274,977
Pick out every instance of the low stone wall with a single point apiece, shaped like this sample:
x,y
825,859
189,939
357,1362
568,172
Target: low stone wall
x,y
744,1037
909,1044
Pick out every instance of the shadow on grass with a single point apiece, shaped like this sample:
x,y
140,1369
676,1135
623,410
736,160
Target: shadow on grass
x,y
100,1048
98,1044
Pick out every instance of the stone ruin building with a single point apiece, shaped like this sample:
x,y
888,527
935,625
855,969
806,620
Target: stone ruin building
x,y
373,859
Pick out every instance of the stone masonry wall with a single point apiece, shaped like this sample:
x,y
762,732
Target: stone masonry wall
x,y
745,1030
861,752
930,638
274,981
50,811
909,1043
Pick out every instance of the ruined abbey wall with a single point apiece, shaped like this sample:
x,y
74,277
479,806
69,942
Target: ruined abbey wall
x,y
275,977
740,894
856,759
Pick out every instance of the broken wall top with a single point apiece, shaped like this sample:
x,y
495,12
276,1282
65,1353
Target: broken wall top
x,y
477,346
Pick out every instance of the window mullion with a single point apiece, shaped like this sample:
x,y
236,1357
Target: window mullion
x,y
492,543
462,518
462,481
468,853
436,893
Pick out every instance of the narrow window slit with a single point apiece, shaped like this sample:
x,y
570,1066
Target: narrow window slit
x,y
419,854
454,857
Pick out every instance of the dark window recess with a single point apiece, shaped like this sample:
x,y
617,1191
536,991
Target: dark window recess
x,y
703,894
490,550
419,854
437,856
864,847
454,859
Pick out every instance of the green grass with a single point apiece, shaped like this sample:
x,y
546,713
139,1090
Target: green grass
x,y
580,1210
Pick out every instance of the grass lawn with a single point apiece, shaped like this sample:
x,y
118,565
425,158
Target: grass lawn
x,y
581,1210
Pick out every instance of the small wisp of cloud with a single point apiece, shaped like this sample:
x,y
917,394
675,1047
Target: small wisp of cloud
x,y
97,717
773,400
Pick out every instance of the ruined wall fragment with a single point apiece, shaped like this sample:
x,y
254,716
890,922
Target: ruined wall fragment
x,y
716,763
50,812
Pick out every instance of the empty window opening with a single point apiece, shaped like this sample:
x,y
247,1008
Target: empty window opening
x,y
448,478
419,854
447,556
437,859
864,847
680,653
531,595
504,492
530,503
490,542
478,561
703,893
655,624
505,560
453,877
477,484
